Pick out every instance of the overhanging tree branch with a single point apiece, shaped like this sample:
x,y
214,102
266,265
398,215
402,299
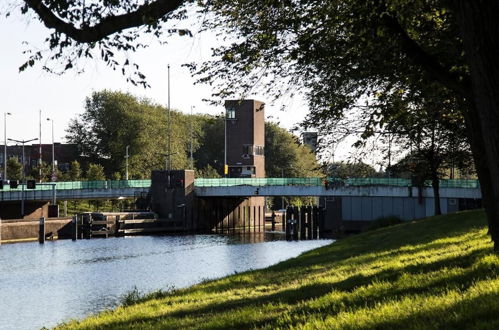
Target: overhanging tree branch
x,y
145,14
426,61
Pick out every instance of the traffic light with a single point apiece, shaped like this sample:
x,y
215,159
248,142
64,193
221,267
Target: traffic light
x,y
13,184
31,184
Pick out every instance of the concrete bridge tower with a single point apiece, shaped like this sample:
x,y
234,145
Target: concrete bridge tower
x,y
245,138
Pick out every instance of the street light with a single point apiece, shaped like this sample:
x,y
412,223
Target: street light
x,y
53,150
192,137
126,163
5,144
23,142
24,172
169,151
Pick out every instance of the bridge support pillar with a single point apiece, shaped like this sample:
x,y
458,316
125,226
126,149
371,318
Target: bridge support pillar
x,y
172,198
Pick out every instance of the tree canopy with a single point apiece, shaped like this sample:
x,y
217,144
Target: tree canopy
x,y
114,120
341,52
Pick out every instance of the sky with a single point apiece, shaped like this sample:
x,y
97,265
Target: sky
x,y
61,98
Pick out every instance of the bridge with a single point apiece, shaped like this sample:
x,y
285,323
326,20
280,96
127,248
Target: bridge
x,y
244,187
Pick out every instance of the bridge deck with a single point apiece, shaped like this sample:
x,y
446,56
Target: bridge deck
x,y
244,187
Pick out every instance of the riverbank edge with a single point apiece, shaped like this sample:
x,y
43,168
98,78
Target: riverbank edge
x,y
331,286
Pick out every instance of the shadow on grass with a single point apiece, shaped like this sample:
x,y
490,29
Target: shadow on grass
x,y
467,278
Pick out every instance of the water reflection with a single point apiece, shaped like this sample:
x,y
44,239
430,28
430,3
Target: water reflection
x,y
60,280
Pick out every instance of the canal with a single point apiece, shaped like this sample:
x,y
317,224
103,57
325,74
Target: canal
x,y
44,285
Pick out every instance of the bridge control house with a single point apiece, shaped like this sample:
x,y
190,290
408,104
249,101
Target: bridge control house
x,y
245,138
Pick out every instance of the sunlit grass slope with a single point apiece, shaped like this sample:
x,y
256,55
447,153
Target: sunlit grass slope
x,y
439,272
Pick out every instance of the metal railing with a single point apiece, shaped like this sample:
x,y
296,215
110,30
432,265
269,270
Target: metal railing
x,y
331,182
257,182
79,185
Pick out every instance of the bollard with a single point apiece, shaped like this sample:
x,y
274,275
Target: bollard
x,y
309,222
272,217
41,231
296,217
303,223
74,228
287,221
315,223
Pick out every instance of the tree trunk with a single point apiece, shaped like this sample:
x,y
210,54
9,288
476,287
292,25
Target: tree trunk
x,y
479,30
435,183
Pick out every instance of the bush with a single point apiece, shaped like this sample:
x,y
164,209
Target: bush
x,y
390,220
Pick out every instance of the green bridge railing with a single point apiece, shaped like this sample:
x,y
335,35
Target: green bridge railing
x,y
259,182
331,182
78,185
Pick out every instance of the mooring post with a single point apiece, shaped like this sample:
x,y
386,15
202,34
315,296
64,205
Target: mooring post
x,y
303,225
287,221
0,231
315,221
309,222
296,218
117,226
41,231
74,228
272,218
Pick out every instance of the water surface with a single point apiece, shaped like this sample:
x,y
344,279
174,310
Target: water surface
x,y
43,285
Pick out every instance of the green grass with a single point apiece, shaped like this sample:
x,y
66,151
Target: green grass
x,y
439,272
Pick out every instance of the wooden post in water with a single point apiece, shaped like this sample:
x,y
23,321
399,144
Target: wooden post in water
x,y
41,231
254,219
74,228
287,221
117,226
315,227
296,216
260,219
309,222
0,231
303,223
284,216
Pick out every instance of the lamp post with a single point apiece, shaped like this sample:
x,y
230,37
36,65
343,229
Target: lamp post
x,y
126,162
53,150
5,114
225,145
24,172
168,160
192,137
23,142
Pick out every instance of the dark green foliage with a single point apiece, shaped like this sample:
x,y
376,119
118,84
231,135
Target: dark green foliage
x,y
113,120
14,169
345,170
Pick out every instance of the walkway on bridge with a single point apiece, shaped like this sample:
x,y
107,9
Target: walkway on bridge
x,y
231,187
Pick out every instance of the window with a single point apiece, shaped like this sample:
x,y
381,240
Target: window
x,y
251,149
230,113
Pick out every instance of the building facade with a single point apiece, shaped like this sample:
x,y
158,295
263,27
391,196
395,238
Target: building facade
x,y
245,138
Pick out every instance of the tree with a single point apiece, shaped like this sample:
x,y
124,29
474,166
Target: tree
x,y
346,52
285,156
95,172
43,168
344,170
352,48
114,120
82,29
14,169
75,171
429,124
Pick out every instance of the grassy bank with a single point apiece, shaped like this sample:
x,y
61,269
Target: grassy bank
x,y
435,273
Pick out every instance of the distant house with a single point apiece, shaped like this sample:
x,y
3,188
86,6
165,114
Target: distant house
x,y
64,154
